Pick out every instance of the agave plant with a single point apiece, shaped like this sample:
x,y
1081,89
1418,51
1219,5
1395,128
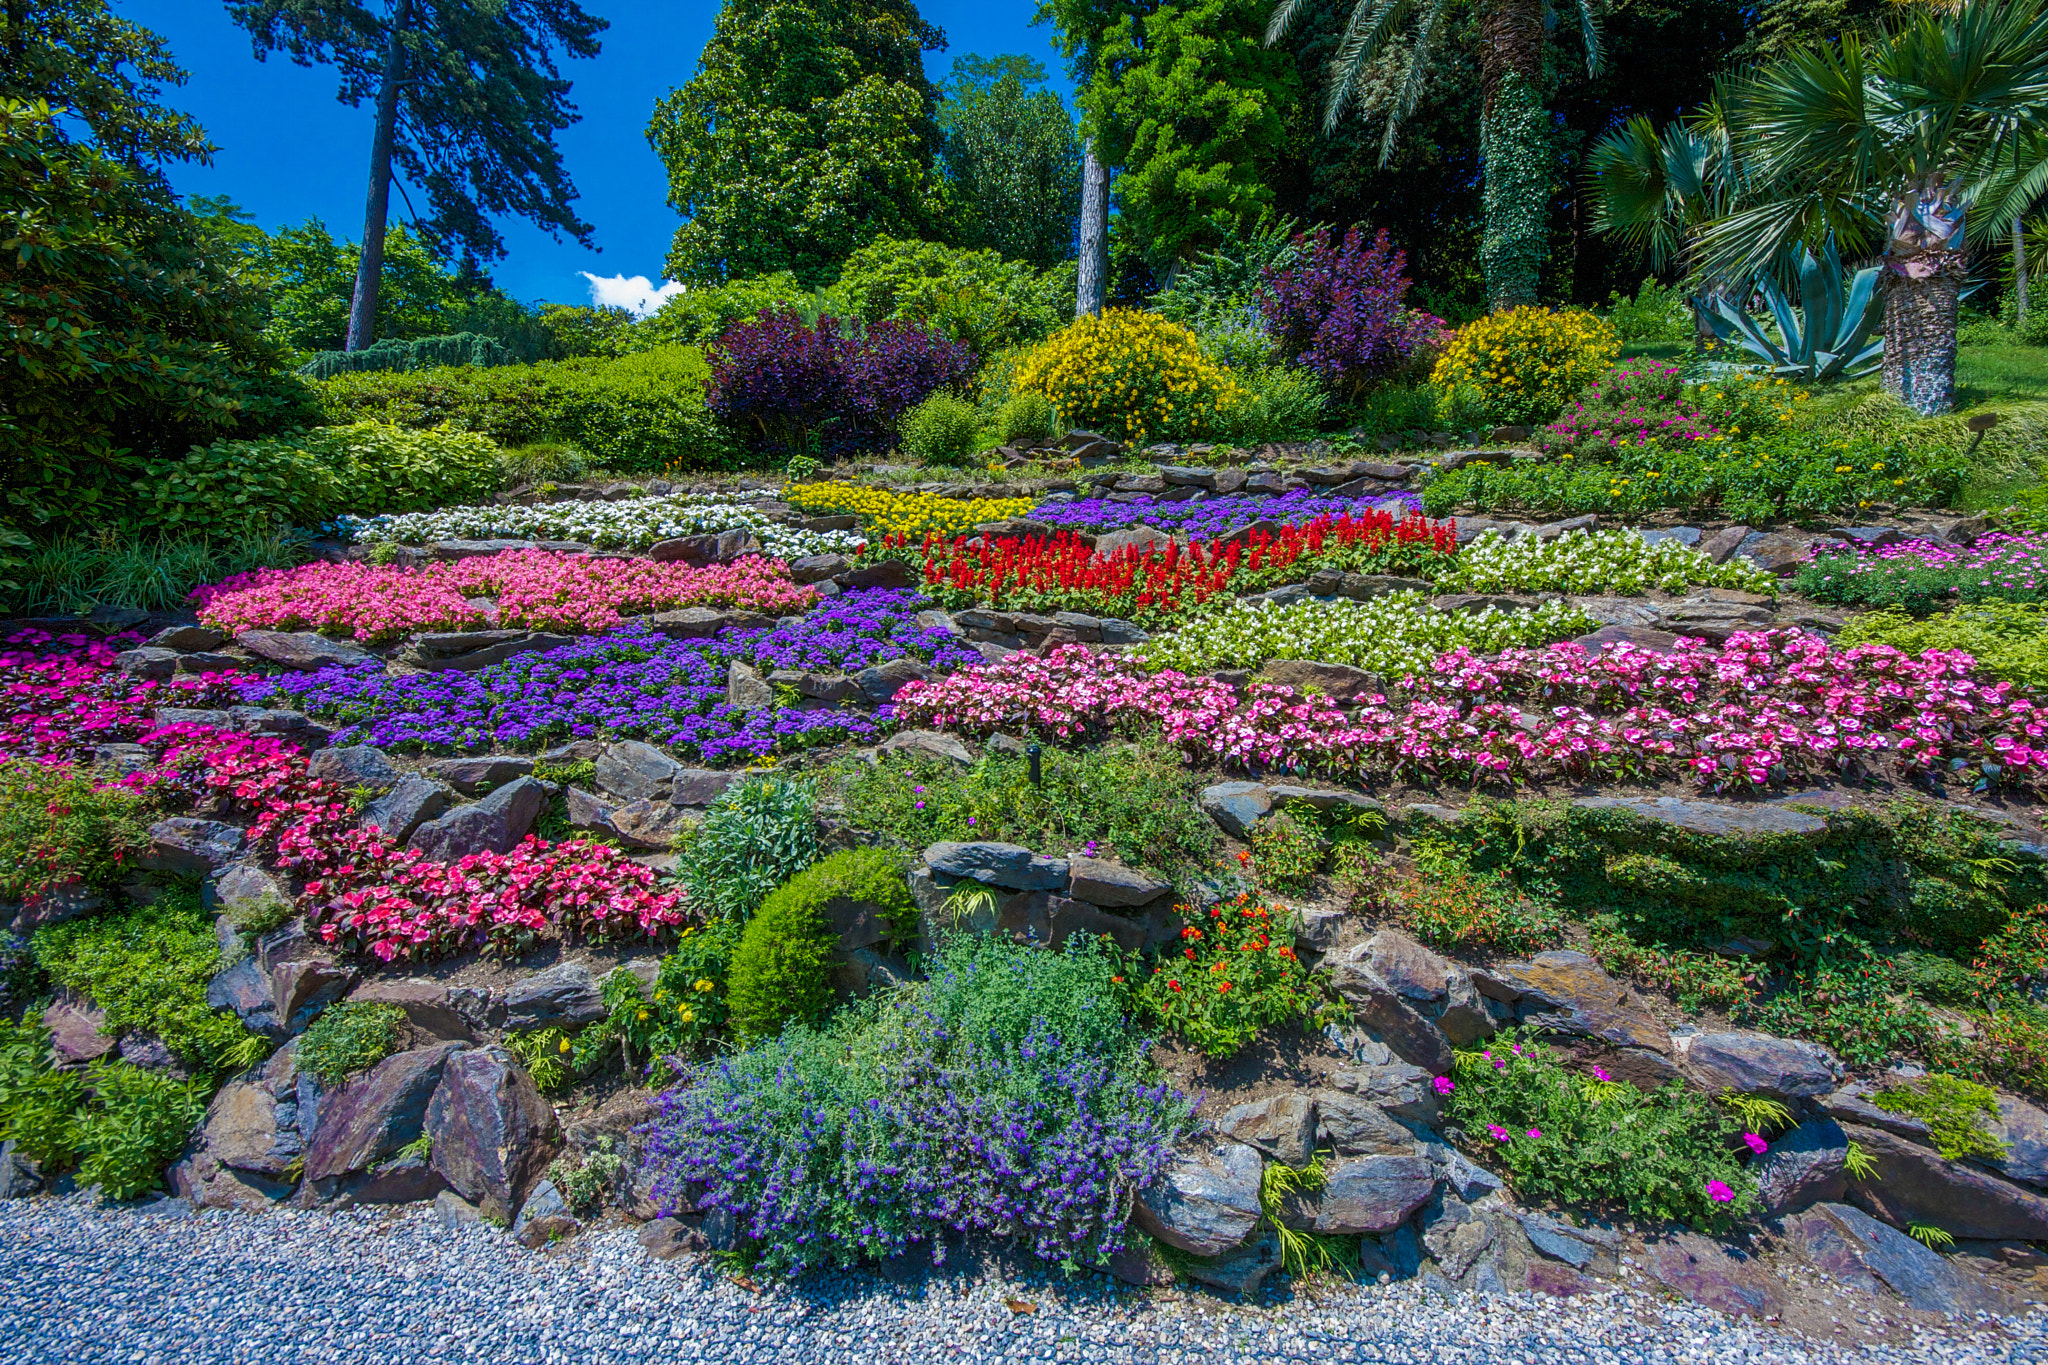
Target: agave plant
x,y
1827,337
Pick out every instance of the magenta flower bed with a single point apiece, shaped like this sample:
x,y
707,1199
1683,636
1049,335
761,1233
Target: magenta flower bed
x,y
59,698
536,589
1769,707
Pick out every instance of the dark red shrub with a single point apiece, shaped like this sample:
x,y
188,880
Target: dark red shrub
x,y
1338,310
790,387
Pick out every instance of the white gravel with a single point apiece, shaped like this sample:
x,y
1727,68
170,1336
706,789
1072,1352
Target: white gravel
x,y
84,1286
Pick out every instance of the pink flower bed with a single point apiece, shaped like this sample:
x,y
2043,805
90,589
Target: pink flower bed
x,y
362,891
1770,706
536,589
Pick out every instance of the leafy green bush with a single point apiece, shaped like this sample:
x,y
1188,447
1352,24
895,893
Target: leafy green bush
x,y
1469,913
58,826
1396,409
1137,802
686,1010
1232,973
136,1126
1657,313
638,413
941,430
782,969
147,968
121,1124
73,573
757,835
350,1037
973,296
417,353
1283,403
254,487
1581,1140
2008,639
1026,419
699,316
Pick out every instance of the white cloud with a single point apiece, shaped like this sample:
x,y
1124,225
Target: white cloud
x,y
637,295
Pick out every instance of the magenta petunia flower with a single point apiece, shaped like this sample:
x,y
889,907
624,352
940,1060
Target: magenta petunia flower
x,y
1443,1085
1719,1192
1756,1144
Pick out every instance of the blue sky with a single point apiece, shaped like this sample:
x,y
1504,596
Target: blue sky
x,y
289,150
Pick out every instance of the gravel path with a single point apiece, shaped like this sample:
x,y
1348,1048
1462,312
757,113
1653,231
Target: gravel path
x,y
83,1286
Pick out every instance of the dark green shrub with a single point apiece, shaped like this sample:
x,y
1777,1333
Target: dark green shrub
x,y
418,353
1567,1135
58,826
147,968
350,1037
782,969
753,838
1136,801
942,430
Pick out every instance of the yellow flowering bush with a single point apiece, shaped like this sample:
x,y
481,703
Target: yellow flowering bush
x,y
1527,363
1131,375
910,514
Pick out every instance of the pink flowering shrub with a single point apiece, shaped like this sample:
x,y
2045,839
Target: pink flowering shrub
x,y
362,892
535,589
1769,706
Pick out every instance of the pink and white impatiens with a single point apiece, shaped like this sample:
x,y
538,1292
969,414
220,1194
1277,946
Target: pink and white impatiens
x,y
1769,706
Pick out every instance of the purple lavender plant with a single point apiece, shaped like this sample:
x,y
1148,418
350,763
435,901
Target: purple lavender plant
x,y
1212,518
1002,1096
631,683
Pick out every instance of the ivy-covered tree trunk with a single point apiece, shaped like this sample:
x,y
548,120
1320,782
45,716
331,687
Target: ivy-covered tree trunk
x,y
362,312
1092,275
1514,141
1514,148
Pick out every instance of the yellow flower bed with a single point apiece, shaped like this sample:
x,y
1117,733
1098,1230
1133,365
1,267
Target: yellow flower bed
x,y
912,514
1131,375
1527,363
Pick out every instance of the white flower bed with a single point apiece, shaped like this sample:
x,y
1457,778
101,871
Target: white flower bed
x,y
1593,563
1394,635
632,524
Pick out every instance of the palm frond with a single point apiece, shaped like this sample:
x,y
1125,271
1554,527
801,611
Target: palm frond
x,y
1589,33
1372,23
1281,19
1416,78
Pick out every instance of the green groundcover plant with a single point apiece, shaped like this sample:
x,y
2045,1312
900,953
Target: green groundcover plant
x,y
1576,1136
1133,801
116,1124
2008,640
1393,636
350,1037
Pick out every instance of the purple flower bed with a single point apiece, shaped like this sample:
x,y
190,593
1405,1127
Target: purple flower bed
x,y
1211,518
957,1112
632,683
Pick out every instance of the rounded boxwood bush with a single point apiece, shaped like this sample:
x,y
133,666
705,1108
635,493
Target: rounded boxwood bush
x,y
783,969
942,430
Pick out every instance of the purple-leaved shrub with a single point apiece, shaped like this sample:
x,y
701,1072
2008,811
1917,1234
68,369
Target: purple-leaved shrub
x,y
1337,309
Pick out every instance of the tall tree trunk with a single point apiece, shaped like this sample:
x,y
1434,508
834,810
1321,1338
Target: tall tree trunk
x,y
1514,147
362,311
2019,274
1920,341
1924,273
1093,276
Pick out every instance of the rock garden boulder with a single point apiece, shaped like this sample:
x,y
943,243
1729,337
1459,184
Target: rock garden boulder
x,y
300,989
1916,1184
2024,1131
1352,1126
429,1006
1236,806
355,765
1855,1249
1569,993
400,812
1010,866
492,1131
1363,1194
188,847
485,773
565,996
1281,1126
1759,1064
493,825
1207,1202
1379,1008
1806,1166
370,1118
303,651
75,1025
634,771
1101,882
1715,818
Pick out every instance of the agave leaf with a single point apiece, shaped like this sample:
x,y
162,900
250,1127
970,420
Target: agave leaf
x,y
1863,311
1729,323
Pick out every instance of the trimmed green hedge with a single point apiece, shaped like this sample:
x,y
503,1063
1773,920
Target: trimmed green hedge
x,y
635,414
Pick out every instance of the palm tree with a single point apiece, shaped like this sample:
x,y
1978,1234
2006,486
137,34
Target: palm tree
x,y
1514,128
1911,146
1654,191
